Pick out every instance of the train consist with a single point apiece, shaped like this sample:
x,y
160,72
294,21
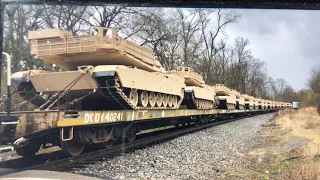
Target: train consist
x,y
109,88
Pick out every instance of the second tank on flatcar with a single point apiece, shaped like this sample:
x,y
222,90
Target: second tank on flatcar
x,y
198,95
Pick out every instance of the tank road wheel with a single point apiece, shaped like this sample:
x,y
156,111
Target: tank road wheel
x,y
152,99
72,147
175,101
231,106
143,99
28,150
133,96
200,104
205,104
170,100
164,100
159,99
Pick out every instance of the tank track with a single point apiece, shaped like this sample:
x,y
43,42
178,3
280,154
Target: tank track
x,y
115,94
191,101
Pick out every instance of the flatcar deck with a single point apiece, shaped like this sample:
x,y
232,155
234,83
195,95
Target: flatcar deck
x,y
78,118
35,127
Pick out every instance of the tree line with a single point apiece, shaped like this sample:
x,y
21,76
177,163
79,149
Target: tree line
x,y
189,37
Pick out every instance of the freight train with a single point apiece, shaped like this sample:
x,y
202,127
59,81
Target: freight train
x,y
107,88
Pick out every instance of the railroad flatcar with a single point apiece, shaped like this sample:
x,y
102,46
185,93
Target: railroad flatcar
x,y
111,89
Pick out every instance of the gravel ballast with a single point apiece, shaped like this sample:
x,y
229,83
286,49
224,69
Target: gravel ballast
x,y
206,154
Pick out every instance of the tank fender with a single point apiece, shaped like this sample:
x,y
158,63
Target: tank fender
x,y
20,77
23,76
229,99
102,71
202,93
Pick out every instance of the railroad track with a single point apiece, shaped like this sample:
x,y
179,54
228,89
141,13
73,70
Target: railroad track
x,y
59,163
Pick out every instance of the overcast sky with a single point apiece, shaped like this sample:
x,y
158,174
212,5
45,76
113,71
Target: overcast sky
x,y
287,40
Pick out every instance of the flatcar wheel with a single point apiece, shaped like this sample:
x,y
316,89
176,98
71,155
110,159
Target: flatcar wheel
x,y
175,101
131,134
133,96
164,100
143,99
159,99
152,99
108,144
72,147
170,100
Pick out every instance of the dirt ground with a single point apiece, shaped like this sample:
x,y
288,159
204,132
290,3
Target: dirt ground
x,y
288,148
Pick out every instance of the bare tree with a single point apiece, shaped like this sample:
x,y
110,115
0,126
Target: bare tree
x,y
314,81
18,21
66,17
189,30
209,34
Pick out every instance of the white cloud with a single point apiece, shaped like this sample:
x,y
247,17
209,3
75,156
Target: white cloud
x,y
287,40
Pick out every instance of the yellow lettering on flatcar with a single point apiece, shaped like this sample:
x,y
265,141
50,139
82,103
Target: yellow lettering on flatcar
x,y
97,117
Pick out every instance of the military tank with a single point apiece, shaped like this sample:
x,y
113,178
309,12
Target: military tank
x,y
101,71
248,101
198,95
239,99
260,103
224,98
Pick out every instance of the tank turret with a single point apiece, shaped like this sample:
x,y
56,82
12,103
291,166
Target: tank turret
x,y
101,47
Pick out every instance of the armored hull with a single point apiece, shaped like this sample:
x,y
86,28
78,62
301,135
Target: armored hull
x,y
197,94
239,99
225,99
226,102
248,101
109,87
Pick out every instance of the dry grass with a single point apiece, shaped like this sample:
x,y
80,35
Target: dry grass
x,y
289,148
303,123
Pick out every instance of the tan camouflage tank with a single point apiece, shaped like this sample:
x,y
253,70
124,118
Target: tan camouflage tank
x,y
103,68
248,101
239,99
224,98
198,95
